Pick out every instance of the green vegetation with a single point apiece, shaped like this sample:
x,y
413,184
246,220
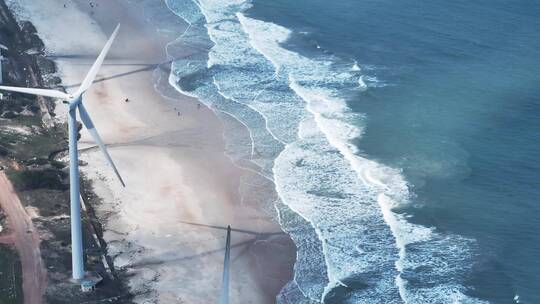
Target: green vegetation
x,y
40,178
37,144
10,277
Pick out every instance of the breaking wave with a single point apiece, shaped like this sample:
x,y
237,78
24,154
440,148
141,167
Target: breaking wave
x,y
287,119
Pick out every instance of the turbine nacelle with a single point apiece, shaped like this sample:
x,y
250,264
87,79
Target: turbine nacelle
x,y
74,100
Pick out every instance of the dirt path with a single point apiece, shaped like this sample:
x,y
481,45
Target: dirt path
x,y
26,240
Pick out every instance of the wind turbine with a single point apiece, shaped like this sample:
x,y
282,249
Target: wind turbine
x,y
224,295
75,102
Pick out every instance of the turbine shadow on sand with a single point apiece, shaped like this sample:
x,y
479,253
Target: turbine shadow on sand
x,y
258,236
146,68
155,262
164,66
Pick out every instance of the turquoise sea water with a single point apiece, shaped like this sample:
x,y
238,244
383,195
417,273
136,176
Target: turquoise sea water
x,y
401,137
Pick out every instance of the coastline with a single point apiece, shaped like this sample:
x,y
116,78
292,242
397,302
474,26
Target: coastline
x,y
155,228
340,158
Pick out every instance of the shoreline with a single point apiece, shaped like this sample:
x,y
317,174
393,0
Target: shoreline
x,y
188,169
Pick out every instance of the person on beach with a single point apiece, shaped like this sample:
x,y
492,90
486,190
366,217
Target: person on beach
x,y
127,100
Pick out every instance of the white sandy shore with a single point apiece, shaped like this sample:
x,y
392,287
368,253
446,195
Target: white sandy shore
x,y
173,166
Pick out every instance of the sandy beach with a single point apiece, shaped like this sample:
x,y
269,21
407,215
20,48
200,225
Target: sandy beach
x,y
167,227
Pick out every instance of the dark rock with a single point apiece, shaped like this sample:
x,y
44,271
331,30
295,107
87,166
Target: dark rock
x,y
9,115
28,28
46,66
4,151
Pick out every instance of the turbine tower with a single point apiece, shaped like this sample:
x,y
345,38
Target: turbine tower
x,y
224,296
75,102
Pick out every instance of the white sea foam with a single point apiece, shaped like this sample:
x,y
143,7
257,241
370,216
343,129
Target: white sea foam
x,y
334,120
361,84
355,67
293,107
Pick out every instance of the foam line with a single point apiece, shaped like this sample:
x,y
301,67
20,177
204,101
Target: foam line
x,y
301,132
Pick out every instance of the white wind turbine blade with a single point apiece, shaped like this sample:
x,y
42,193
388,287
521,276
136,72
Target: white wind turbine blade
x,y
92,130
40,92
89,79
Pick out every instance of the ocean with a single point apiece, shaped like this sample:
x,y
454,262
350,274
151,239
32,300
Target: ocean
x,y
400,137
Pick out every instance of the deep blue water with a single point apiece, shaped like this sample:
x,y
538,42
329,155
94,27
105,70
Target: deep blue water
x,y
460,115
402,138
